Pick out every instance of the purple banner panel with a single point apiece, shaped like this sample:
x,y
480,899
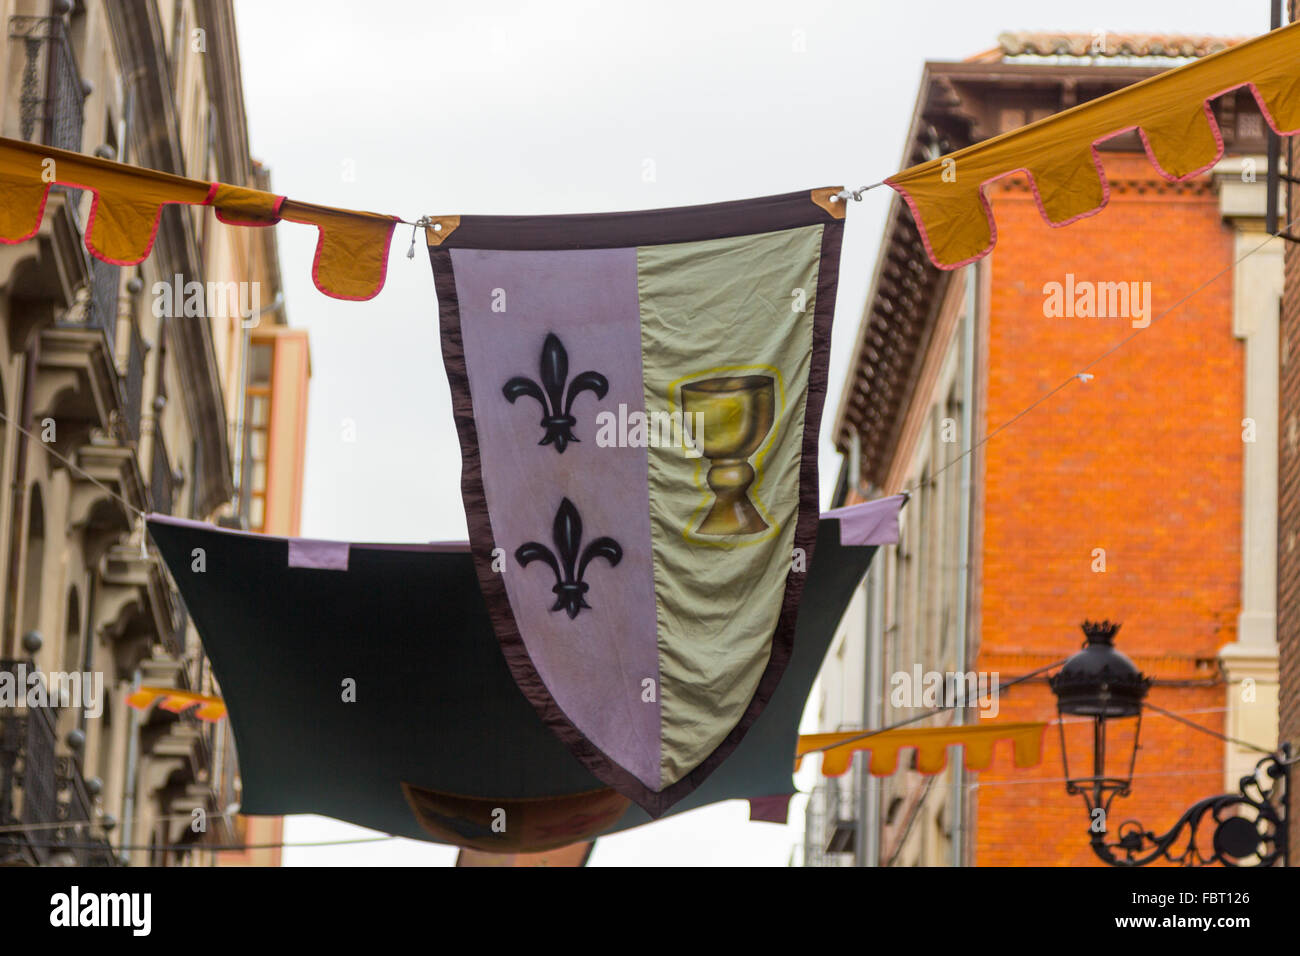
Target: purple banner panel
x,y
545,334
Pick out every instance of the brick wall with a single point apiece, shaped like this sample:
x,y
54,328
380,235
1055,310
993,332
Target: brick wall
x,y
1145,462
1288,556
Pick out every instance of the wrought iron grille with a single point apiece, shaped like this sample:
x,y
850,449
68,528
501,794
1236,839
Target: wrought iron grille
x,y
182,633
162,483
17,804
40,790
196,469
133,386
175,642
104,290
52,96
76,808
823,819
13,730
37,786
51,100
26,767
813,826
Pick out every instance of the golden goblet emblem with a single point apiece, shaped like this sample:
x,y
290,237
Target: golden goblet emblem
x,y
734,415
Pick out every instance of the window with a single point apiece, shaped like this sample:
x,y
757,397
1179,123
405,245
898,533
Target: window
x,y
72,652
261,356
260,361
35,565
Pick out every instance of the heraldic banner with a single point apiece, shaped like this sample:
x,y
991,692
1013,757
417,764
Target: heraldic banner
x,y
638,399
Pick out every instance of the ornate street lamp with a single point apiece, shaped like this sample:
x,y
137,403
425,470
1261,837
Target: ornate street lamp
x,y
1100,683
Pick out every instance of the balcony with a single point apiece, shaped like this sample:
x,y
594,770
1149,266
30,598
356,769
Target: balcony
x,y
829,828
43,790
52,94
61,281
179,757
51,101
79,383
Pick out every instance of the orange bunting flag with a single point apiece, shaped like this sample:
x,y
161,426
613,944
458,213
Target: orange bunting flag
x,y
178,701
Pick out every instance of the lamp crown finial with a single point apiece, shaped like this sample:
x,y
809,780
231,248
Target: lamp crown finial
x,y
1100,632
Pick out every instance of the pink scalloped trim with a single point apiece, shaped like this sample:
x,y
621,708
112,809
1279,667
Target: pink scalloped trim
x,y
1101,174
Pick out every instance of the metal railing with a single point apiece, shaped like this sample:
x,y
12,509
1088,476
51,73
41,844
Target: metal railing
x,y
162,482
51,108
39,787
182,636
51,100
133,388
102,309
829,823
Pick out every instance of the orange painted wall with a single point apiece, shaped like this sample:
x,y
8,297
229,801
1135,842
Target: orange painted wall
x,y
286,463
1144,461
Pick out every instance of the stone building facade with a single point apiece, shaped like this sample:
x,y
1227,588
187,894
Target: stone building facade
x,y
116,404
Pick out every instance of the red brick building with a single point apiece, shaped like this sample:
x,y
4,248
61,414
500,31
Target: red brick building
x,y
1141,495
1141,466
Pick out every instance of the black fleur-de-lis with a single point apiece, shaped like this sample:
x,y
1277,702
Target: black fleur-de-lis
x,y
557,405
570,590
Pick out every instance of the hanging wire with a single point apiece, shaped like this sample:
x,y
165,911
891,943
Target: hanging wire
x,y
934,711
913,815
415,227
63,824
1176,715
1147,705
183,847
1083,375
166,818
855,194
73,466
1151,775
379,839
844,195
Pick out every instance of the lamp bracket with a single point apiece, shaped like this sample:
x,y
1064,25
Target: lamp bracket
x,y
1249,828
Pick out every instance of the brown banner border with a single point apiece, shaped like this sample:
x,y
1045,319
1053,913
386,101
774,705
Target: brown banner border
x,y
622,230
649,227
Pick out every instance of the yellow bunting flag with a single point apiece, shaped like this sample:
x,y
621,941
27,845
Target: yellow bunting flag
x,y
931,745
351,253
1170,111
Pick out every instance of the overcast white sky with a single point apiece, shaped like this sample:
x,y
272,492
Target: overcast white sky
x,y
514,107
